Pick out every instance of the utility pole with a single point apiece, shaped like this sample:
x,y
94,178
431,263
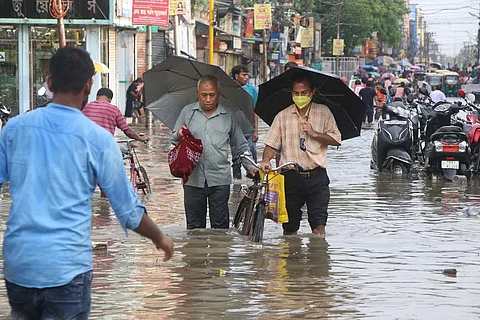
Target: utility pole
x,y
478,41
337,62
148,53
265,56
211,41
176,35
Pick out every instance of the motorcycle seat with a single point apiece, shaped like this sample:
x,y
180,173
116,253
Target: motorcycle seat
x,y
447,129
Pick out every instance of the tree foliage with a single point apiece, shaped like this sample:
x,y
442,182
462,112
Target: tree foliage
x,y
358,19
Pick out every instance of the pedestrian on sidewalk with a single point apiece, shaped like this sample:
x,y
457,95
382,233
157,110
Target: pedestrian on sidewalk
x,y
240,75
54,157
210,180
132,92
316,124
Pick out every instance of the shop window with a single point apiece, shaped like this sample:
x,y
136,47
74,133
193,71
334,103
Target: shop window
x,y
43,44
9,67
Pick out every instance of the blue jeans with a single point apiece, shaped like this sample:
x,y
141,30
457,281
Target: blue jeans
x,y
237,168
70,301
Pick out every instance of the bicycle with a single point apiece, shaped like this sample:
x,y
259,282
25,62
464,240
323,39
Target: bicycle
x,y
138,174
252,210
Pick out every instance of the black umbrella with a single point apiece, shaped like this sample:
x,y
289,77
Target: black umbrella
x,y
172,85
347,108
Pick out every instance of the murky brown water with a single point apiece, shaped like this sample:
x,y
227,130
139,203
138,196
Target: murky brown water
x,y
388,240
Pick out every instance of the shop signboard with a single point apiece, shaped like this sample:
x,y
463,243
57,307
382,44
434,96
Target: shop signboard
x,y
307,33
2,56
249,25
150,12
262,16
338,45
38,9
177,7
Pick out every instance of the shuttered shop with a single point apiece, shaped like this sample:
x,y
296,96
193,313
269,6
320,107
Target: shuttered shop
x,y
158,47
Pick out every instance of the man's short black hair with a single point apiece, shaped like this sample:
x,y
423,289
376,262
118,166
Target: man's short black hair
x,y
239,69
301,78
70,69
370,83
438,87
105,92
290,65
139,80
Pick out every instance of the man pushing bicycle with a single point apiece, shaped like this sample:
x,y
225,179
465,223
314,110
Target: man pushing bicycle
x,y
304,131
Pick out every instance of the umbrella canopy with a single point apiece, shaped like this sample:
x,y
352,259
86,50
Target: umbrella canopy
x,y
100,67
389,75
404,63
374,74
400,80
172,85
347,108
415,68
369,67
383,60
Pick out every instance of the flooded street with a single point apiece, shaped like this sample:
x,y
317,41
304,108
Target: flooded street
x,y
388,241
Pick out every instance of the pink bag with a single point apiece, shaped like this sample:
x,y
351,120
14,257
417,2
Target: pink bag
x,y
183,159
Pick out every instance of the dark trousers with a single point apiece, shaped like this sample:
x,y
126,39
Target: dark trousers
x,y
71,301
196,206
369,114
313,191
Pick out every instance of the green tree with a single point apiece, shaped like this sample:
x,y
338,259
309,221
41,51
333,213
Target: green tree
x,y
357,20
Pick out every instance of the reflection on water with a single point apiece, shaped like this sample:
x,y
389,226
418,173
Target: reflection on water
x,y
388,241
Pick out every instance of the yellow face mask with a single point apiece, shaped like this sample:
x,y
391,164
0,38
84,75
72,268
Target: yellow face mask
x,y
302,101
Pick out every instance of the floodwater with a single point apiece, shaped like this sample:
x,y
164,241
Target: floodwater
x,y
388,241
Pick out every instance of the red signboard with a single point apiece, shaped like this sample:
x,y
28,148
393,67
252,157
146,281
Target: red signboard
x,y
150,12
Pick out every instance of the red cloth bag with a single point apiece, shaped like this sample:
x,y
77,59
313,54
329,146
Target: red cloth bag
x,y
184,157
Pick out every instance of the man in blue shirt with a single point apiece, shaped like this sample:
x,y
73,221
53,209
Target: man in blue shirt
x,y
240,75
53,158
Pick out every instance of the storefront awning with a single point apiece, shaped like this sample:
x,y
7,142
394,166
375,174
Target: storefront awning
x,y
204,27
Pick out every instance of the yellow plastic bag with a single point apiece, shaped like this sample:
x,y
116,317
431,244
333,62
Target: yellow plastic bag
x,y
275,197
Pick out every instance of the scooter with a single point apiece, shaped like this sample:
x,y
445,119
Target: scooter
x,y
4,115
472,129
447,151
392,144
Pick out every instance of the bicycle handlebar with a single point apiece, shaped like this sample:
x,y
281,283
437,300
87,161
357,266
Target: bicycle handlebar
x,y
295,165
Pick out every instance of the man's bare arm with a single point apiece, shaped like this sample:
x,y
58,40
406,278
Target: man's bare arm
x,y
150,230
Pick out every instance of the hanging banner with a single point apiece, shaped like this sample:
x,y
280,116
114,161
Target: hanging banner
x,y
307,33
338,45
262,16
249,25
177,7
150,12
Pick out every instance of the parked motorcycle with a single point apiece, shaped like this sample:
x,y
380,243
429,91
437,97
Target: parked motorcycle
x,y
472,129
4,115
392,144
42,98
447,151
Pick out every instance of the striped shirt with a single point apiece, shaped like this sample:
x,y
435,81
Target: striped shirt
x,y
106,115
286,131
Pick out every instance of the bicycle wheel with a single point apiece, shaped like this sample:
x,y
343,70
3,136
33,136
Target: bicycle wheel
x,y
257,234
248,222
240,214
142,181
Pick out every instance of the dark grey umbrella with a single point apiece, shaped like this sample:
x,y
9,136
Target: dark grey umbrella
x,y
172,85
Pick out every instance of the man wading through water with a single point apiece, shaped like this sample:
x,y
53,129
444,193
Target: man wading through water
x,y
304,131
54,157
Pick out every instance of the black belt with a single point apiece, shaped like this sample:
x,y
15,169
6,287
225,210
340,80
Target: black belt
x,y
306,174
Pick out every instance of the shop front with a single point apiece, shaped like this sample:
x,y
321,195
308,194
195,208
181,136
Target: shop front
x,y
29,38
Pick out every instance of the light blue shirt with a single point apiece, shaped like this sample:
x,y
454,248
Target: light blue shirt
x,y
54,157
217,132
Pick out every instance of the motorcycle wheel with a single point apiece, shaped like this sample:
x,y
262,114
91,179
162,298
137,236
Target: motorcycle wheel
x,y
399,168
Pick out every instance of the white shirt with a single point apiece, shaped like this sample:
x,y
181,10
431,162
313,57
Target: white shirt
x,y
437,96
